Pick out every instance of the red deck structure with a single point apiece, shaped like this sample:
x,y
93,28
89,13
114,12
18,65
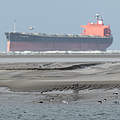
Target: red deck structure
x,y
96,29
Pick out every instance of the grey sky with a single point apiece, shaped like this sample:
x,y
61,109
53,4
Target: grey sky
x,y
57,16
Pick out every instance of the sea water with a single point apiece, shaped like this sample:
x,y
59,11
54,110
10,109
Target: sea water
x,y
55,59
72,111
21,106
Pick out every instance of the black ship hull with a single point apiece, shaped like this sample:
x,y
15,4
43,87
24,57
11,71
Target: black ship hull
x,y
43,42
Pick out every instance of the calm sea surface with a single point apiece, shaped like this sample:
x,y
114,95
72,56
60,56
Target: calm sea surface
x,y
55,59
21,106
24,110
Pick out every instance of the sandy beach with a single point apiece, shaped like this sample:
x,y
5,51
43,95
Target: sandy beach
x,y
47,89
59,76
56,78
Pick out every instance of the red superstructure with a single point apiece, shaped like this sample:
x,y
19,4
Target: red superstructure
x,y
96,29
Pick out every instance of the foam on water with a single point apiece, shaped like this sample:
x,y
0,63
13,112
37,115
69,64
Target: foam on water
x,y
60,52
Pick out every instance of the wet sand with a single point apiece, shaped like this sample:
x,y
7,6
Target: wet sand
x,y
53,79
59,76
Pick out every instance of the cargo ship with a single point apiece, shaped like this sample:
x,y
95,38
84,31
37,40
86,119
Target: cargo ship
x,y
95,37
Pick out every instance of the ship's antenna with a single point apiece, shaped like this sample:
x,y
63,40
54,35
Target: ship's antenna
x,y
14,26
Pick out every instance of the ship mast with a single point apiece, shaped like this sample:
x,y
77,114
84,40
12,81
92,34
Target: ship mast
x,y
14,26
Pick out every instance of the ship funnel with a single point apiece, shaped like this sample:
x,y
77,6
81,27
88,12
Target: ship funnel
x,y
99,18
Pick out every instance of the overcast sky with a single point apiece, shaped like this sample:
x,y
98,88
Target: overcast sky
x,y
57,16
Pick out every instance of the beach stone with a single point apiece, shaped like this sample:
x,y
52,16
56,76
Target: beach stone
x,y
40,102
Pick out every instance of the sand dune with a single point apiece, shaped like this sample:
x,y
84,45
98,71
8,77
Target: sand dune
x,y
60,76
